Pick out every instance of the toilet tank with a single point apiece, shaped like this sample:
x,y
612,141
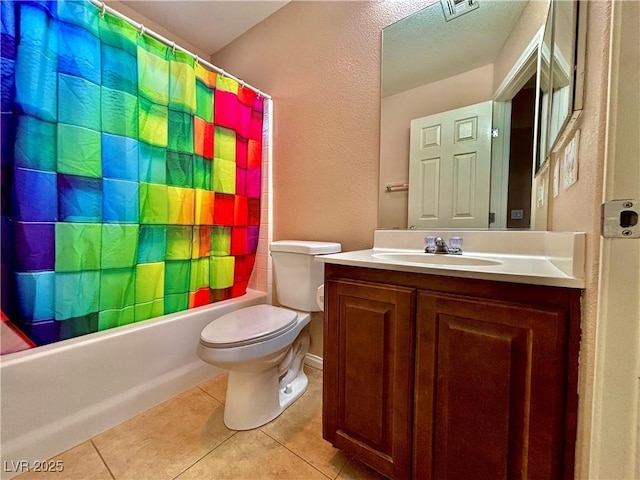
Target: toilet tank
x,y
297,274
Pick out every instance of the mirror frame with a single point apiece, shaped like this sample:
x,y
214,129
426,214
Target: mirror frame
x,y
540,198
543,105
576,93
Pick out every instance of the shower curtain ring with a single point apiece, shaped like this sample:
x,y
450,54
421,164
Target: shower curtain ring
x,y
173,48
197,59
142,30
103,11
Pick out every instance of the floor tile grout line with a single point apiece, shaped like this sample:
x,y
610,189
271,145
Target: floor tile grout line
x,y
218,400
112,475
344,466
95,447
274,439
208,453
217,446
297,455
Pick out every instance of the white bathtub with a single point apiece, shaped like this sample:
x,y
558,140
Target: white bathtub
x,y
57,396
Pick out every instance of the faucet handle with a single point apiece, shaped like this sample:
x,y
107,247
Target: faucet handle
x,y
429,244
455,245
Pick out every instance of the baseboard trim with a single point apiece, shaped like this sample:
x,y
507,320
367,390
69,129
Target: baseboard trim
x,y
313,361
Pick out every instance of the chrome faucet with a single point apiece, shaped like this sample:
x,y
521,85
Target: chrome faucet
x,y
439,246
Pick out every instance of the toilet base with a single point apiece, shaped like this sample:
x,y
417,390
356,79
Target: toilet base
x,y
290,393
256,398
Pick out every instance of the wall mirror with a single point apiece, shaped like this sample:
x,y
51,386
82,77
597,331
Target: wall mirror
x,y
566,70
432,66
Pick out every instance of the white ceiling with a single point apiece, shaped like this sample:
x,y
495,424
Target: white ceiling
x,y
207,24
424,48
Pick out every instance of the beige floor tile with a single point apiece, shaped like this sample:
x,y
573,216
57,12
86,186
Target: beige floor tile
x,y
251,455
79,463
164,441
356,470
187,434
299,428
217,387
313,374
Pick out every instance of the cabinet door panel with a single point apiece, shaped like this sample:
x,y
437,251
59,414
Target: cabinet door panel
x,y
495,389
364,338
368,370
481,376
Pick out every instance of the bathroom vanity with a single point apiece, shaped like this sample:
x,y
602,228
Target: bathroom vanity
x,y
455,370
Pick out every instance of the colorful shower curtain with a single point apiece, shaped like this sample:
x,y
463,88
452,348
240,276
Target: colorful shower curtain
x,y
131,174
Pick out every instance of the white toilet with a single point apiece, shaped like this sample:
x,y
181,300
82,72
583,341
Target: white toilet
x,y
262,346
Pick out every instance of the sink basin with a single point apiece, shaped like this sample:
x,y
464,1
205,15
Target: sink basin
x,y
433,259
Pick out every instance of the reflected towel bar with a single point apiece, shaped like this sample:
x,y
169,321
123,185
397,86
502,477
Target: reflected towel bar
x,y
397,187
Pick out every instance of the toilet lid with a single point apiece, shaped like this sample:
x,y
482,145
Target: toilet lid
x,y
248,325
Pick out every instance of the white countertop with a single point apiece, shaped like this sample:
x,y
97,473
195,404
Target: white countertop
x,y
557,261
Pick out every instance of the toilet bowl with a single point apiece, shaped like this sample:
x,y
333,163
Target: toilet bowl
x,y
264,346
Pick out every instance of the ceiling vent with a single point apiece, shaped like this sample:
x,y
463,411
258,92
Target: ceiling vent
x,y
455,8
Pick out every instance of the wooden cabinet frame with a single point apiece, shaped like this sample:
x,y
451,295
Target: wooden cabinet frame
x,y
435,351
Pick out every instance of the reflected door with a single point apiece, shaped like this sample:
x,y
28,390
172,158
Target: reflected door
x,y
450,168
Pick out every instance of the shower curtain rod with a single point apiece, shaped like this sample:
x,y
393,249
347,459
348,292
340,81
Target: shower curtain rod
x,y
105,8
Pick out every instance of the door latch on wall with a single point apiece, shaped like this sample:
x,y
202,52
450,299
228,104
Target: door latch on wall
x,y
620,219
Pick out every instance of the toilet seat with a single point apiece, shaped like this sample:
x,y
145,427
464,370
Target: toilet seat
x,y
248,325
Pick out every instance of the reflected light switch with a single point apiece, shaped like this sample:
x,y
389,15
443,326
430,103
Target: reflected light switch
x,y
517,214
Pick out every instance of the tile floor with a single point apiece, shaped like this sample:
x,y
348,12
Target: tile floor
x,y
185,439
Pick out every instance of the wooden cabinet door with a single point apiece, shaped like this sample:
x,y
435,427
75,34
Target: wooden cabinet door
x,y
489,389
368,373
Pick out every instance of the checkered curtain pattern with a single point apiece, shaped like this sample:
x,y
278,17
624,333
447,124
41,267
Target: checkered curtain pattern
x,y
131,174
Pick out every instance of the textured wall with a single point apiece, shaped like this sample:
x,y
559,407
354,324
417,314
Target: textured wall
x,y
320,61
578,207
533,17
